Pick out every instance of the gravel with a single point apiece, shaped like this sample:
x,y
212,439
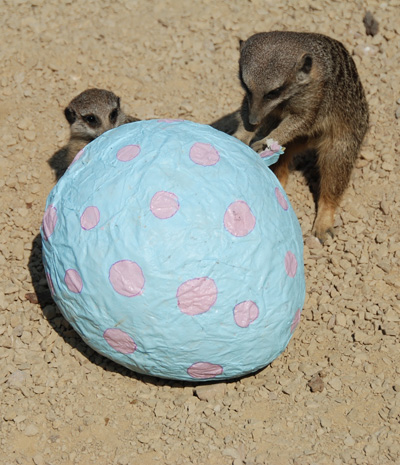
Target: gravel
x,y
333,396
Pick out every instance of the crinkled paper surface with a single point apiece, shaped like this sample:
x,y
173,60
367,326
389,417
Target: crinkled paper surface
x,y
172,249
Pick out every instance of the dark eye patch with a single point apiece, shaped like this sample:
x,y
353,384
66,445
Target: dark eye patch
x,y
274,93
91,120
113,116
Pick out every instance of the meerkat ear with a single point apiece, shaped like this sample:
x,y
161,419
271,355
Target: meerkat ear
x,y
306,63
304,66
118,102
241,43
70,115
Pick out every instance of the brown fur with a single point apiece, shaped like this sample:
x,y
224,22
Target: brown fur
x,y
303,90
91,113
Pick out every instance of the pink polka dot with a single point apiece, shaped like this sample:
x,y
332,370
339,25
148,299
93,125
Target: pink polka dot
x,y
281,199
245,313
296,321
197,295
73,281
128,153
204,154
163,205
119,340
290,264
90,218
78,156
126,277
204,370
49,221
170,120
50,282
239,219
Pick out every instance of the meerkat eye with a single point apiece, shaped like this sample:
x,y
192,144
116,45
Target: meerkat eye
x,y
113,116
274,93
91,120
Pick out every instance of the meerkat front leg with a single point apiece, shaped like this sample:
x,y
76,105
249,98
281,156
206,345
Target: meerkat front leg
x,y
290,128
243,134
233,125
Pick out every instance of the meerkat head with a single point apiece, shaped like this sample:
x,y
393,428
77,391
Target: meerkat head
x,y
93,112
272,69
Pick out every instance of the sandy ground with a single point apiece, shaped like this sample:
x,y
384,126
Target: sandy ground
x,y
61,403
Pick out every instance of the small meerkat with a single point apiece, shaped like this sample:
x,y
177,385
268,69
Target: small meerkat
x,y
91,113
303,90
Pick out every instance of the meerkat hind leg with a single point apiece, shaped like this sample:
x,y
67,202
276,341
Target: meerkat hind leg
x,y
335,165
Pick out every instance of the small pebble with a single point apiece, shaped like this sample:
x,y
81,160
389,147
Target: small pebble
x,y
31,430
210,392
335,383
316,384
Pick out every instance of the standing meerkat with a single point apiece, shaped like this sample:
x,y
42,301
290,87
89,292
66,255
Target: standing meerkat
x,y
91,113
303,90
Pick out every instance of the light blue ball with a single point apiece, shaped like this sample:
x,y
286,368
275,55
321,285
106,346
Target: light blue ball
x,y
172,249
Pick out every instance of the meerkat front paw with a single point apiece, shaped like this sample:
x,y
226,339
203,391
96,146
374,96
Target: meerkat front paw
x,y
259,145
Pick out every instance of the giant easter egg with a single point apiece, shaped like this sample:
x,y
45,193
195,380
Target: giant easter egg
x,y
172,249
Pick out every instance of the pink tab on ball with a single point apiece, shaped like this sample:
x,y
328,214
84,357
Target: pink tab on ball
x,y
197,295
90,218
126,277
164,204
290,264
119,340
270,150
204,154
73,281
245,313
203,370
296,321
267,153
281,199
128,153
49,221
239,219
